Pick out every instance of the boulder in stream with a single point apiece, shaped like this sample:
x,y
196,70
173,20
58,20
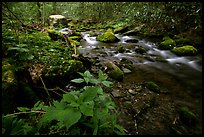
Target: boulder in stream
x,y
187,50
114,71
108,37
167,44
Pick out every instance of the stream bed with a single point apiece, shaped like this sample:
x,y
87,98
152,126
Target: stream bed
x,y
142,111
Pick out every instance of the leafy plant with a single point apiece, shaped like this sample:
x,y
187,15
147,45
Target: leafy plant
x,y
13,126
21,52
88,78
89,108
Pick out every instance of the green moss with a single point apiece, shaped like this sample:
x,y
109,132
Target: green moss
x,y
153,87
181,41
75,65
166,38
187,116
115,72
185,50
167,44
54,35
108,36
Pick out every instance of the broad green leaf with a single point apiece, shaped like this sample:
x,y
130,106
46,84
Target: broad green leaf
x,y
67,116
70,98
79,80
107,83
89,94
87,108
87,74
94,81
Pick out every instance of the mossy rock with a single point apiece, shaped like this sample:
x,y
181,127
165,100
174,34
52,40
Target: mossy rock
x,y
127,64
153,86
185,50
122,29
114,71
108,36
75,65
187,116
54,35
167,44
57,21
120,49
140,50
73,42
181,41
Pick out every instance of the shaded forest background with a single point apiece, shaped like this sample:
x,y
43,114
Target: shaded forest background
x,y
173,17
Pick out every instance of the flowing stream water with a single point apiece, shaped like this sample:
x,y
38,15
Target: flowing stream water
x,y
180,76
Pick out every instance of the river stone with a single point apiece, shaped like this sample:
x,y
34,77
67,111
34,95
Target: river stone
x,y
107,37
135,31
131,41
132,91
126,71
57,21
167,44
187,50
153,87
113,70
117,93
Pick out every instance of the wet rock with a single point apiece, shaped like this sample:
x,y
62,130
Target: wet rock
x,y
121,29
153,87
131,41
120,49
135,31
114,71
108,36
187,50
126,71
126,64
167,44
140,50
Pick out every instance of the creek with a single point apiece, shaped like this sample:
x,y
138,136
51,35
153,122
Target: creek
x,y
180,78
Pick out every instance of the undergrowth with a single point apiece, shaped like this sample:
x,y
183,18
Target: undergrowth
x,y
85,111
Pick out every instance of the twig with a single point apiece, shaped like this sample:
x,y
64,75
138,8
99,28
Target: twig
x,y
18,113
45,87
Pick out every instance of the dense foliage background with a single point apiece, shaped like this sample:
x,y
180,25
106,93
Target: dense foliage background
x,y
179,16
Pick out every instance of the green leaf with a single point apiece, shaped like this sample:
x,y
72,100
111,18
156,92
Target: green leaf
x,y
79,80
87,74
107,83
87,108
102,76
66,115
94,81
70,98
89,94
